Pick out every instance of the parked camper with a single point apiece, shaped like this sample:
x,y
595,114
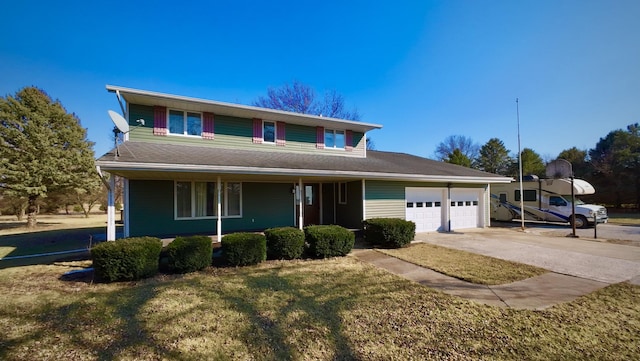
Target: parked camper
x,y
545,200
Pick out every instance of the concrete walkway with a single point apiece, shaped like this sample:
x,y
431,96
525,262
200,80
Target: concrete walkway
x,y
534,293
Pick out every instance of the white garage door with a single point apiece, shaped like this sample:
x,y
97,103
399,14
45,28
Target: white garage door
x,y
464,208
424,208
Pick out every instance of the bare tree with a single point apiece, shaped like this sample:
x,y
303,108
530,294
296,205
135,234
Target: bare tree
x,y
301,98
465,145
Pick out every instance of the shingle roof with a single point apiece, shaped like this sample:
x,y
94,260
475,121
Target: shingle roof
x,y
377,164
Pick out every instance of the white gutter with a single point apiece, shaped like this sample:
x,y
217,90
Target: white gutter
x,y
197,168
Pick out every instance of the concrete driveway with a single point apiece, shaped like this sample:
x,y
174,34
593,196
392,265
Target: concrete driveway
x,y
580,257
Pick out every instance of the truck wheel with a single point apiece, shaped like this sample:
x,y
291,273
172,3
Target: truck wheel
x,y
581,221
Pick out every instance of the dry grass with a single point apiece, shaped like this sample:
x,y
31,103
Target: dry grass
x,y
625,219
336,309
463,265
51,222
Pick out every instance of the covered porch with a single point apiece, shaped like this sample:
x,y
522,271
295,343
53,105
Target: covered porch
x,y
167,204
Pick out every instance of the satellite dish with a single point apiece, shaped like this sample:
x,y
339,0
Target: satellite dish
x,y
559,168
119,121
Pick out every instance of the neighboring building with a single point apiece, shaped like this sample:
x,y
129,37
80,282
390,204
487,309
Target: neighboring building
x,y
205,167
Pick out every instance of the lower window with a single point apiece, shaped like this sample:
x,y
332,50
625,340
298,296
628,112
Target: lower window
x,y
200,199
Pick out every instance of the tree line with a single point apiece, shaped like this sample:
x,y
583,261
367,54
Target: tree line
x,y
612,166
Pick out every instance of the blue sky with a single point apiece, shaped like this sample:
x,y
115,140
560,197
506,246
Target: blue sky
x,y
423,69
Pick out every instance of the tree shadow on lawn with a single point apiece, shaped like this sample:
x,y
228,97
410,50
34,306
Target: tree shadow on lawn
x,y
101,325
316,312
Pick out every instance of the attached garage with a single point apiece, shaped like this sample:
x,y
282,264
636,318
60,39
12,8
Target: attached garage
x,y
465,208
428,208
424,208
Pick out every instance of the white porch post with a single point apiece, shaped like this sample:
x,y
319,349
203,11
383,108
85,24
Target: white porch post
x,y
219,211
300,205
364,202
111,210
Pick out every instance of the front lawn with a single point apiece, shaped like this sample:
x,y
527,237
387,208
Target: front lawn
x,y
463,265
336,309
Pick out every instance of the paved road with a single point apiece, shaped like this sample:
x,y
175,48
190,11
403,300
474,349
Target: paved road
x,y
579,257
610,232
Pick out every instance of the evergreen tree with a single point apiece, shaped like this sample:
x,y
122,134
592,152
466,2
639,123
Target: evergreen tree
x,y
532,164
494,157
457,157
578,160
42,149
616,161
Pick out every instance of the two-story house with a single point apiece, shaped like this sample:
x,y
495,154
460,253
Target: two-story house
x,y
205,167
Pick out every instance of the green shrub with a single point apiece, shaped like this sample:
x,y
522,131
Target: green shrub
x,y
389,232
243,249
328,241
126,259
189,254
284,243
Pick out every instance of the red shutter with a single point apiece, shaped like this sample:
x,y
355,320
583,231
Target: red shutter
x,y
280,133
348,141
320,137
207,126
257,130
159,120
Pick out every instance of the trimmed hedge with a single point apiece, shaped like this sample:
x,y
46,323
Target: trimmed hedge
x,y
126,259
389,232
244,249
284,243
189,254
328,241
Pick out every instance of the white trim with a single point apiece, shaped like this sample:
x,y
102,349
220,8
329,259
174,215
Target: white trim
x,y
342,198
196,168
335,132
301,205
219,209
275,131
184,123
111,209
225,199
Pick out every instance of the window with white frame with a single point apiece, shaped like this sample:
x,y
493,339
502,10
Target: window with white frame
x,y
334,139
342,193
268,132
185,123
200,199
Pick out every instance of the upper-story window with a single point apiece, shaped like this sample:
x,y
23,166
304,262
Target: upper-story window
x,y
269,132
185,123
334,139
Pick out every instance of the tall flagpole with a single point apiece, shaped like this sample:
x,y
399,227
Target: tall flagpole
x,y
520,167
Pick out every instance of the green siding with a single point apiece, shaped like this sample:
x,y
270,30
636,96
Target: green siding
x,y
151,210
237,133
387,199
141,112
350,215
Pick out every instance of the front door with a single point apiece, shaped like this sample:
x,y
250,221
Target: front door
x,y
311,200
